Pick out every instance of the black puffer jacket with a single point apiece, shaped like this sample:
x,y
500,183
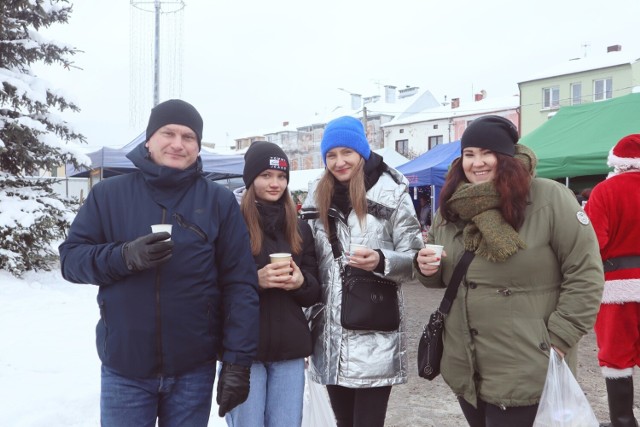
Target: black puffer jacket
x,y
284,330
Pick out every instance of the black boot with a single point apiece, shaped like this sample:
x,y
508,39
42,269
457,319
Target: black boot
x,y
620,396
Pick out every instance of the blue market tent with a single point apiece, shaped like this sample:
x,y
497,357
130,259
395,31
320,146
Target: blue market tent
x,y
108,162
431,167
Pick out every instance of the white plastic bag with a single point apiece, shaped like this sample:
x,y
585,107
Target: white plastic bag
x,y
316,409
563,403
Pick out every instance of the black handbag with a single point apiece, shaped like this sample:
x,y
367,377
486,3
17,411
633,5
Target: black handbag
x,y
430,345
369,302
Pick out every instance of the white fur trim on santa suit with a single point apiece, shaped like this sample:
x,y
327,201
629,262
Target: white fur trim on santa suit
x,y
621,291
616,373
625,155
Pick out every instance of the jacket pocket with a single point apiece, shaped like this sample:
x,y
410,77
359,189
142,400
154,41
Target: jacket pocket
x,y
190,226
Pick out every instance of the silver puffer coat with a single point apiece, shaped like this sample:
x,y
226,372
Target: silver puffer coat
x,y
361,359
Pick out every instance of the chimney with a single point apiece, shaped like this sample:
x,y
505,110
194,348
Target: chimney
x,y
477,97
408,91
614,48
455,103
285,124
356,101
389,94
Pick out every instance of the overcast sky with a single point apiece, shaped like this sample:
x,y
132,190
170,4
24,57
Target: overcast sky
x,y
250,65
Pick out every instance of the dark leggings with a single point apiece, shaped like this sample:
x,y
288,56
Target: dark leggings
x,y
359,407
488,415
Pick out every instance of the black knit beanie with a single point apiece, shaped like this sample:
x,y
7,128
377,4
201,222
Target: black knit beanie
x,y
260,156
175,112
494,133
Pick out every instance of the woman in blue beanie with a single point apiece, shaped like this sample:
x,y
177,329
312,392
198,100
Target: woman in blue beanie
x,y
359,199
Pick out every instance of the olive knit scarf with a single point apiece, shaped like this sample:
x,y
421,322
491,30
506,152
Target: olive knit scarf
x,y
486,232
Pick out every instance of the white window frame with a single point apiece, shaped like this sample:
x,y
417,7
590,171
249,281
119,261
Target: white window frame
x,y
606,92
576,93
550,97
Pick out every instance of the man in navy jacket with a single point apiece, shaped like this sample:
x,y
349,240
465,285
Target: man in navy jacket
x,y
170,304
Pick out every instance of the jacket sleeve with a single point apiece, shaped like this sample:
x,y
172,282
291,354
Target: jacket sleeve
x,y
309,292
407,239
576,248
238,281
86,256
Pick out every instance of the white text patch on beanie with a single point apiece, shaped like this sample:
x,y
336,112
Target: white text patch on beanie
x,y
278,163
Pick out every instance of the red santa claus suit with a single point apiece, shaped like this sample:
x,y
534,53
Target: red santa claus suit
x,y
614,210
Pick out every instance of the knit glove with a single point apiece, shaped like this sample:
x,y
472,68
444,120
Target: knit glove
x,y
233,387
147,251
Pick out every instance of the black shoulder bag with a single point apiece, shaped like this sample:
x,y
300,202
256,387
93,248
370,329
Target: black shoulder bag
x,y
369,302
430,344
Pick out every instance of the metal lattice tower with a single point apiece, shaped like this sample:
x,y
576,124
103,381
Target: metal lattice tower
x,y
155,54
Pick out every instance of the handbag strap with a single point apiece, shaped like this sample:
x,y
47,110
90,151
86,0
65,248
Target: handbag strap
x,y
336,246
454,283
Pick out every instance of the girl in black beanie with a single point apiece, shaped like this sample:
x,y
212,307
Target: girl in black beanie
x,y
277,374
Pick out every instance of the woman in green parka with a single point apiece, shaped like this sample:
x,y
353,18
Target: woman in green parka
x,y
534,284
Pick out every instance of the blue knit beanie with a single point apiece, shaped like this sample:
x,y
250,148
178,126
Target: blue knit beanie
x,y
347,132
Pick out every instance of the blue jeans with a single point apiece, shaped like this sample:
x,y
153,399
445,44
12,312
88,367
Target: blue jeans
x,y
275,396
182,400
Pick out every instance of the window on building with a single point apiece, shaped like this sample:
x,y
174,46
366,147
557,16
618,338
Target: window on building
x,y
401,130
550,97
576,93
435,140
602,89
435,126
402,147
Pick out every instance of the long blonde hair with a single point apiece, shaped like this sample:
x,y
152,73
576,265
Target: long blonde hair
x,y
357,194
254,221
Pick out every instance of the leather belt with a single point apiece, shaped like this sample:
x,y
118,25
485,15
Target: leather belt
x,y
621,262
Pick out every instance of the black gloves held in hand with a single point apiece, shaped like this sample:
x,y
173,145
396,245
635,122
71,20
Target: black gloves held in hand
x,y
233,387
147,251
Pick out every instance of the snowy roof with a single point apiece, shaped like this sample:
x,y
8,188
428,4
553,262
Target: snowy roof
x,y
588,63
469,108
401,107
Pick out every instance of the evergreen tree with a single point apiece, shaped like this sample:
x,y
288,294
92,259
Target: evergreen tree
x,y
32,137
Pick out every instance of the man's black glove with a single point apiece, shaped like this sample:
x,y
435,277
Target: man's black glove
x,y
233,387
147,251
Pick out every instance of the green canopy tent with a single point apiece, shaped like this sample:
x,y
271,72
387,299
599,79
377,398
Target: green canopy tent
x,y
577,140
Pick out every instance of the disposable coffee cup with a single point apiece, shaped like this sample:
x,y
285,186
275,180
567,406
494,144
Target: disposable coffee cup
x,y
353,247
438,252
158,228
280,257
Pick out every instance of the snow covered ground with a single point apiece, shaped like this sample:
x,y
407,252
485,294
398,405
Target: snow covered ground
x,y
49,368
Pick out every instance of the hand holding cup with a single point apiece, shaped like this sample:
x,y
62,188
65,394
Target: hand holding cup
x,y
363,257
282,273
429,259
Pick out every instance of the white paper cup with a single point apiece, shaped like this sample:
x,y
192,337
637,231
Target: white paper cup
x,y
353,247
438,252
158,228
280,257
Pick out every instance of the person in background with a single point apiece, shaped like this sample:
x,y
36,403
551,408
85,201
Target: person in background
x,y
369,204
168,308
585,193
614,210
277,373
534,284
425,211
